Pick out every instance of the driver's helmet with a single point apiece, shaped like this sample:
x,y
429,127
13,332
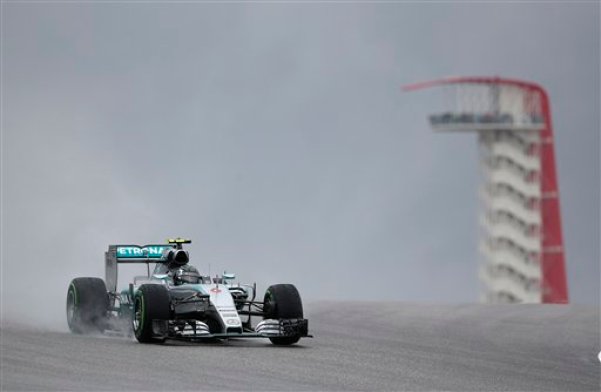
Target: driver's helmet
x,y
186,276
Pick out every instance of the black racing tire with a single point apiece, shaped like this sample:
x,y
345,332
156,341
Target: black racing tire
x,y
282,301
87,305
151,302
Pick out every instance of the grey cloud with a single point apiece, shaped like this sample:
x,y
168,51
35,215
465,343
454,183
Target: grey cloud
x,y
277,137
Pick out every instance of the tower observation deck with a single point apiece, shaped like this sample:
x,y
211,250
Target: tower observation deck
x,y
521,242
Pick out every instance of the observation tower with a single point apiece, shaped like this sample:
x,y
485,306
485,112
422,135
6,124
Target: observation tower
x,y
521,241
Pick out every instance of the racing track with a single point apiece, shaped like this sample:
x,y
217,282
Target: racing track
x,y
357,346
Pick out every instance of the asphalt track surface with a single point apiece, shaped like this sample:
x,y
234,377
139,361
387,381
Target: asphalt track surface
x,y
357,346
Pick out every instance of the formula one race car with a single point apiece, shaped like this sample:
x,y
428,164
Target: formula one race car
x,y
176,302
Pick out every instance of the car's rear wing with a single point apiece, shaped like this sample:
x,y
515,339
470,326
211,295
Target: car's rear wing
x,y
127,254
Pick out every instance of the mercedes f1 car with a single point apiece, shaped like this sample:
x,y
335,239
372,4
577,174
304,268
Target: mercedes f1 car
x,y
176,302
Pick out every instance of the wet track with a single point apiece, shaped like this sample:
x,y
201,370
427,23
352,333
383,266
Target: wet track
x,y
357,346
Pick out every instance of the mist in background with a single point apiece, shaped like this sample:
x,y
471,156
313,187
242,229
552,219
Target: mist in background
x,y
277,138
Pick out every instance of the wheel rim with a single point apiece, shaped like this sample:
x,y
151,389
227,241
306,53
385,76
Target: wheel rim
x,y
137,319
268,305
70,306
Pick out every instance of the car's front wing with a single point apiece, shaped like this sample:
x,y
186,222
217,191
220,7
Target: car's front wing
x,y
196,330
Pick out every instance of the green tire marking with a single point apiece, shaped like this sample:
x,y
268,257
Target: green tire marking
x,y
74,293
142,310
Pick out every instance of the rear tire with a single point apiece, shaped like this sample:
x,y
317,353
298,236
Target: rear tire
x,y
87,305
151,302
282,301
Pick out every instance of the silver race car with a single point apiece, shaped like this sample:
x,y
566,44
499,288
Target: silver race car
x,y
175,301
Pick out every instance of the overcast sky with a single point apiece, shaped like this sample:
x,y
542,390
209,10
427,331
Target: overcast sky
x,y
276,136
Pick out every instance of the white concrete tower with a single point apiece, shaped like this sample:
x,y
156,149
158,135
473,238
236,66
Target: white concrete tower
x,y
521,244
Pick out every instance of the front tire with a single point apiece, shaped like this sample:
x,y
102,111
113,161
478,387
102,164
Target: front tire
x,y
151,302
282,301
87,305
